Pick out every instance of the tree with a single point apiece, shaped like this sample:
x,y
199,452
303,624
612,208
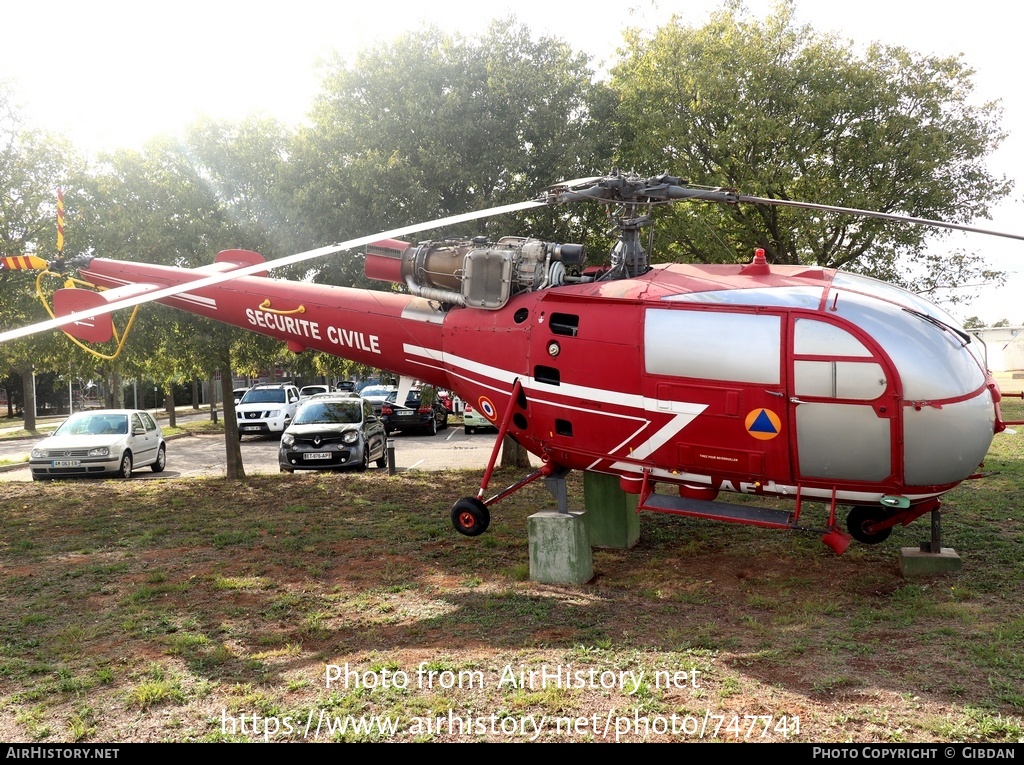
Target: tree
x,y
435,125
33,165
777,110
159,206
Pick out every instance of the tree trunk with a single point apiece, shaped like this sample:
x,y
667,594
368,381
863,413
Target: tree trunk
x,y
232,449
28,397
116,393
195,393
172,420
513,455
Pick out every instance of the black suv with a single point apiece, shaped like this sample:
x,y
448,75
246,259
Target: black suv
x,y
333,430
416,414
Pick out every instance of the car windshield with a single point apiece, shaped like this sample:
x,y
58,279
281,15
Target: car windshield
x,y
321,412
275,396
374,390
94,425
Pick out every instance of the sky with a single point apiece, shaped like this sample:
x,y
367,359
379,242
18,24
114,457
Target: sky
x,y
113,74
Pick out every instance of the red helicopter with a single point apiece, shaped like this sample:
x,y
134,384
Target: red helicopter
x,y
793,382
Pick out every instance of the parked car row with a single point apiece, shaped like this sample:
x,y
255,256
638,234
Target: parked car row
x,y
323,430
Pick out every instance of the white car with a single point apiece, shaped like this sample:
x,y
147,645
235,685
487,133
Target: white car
x,y
313,390
474,420
267,409
101,442
377,395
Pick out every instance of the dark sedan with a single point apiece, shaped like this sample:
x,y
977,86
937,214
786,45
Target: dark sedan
x,y
423,412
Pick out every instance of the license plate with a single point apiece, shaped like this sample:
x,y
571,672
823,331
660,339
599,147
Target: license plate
x,y
251,427
404,414
316,456
66,463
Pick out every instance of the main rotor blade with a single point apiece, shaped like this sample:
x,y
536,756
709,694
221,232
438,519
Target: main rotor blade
x,y
874,214
288,260
631,189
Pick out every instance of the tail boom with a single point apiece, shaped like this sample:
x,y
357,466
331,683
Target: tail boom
x,y
365,326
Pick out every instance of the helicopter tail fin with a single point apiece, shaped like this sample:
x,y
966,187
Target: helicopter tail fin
x,y
98,329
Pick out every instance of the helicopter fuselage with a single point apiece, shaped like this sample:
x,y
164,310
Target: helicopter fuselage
x,y
786,381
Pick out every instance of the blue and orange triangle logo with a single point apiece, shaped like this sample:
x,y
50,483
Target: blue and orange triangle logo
x,y
763,424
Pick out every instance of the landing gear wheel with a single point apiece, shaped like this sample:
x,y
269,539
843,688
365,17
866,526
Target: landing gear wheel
x,y
858,520
470,517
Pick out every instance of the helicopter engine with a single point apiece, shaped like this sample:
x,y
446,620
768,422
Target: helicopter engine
x,y
473,272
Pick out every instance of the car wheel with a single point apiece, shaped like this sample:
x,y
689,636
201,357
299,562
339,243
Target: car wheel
x,y
444,421
365,461
286,470
432,427
125,469
382,461
161,460
470,431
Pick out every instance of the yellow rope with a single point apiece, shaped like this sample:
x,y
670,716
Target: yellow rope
x,y
71,283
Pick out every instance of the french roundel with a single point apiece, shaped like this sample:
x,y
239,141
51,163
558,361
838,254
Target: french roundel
x,y
485,406
763,424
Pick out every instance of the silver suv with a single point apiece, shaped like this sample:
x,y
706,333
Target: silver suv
x,y
267,409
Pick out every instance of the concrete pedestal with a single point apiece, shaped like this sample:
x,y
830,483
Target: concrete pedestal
x,y
914,563
612,520
559,548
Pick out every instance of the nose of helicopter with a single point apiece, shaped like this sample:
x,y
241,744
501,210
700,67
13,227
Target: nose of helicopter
x,y
944,442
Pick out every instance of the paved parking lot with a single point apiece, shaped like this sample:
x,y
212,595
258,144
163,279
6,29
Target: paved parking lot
x,y
203,455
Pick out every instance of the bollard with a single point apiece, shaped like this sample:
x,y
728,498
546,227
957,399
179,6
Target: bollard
x,y
392,469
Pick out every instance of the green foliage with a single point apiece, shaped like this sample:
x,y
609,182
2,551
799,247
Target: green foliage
x,y
33,165
436,124
777,110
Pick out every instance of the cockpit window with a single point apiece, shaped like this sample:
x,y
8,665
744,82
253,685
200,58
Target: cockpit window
x,y
933,363
893,294
839,366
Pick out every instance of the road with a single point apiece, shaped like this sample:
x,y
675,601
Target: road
x,y
203,455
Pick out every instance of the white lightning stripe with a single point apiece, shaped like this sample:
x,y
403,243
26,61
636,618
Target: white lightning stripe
x,y
628,400
184,298
632,435
670,429
196,300
686,412
256,268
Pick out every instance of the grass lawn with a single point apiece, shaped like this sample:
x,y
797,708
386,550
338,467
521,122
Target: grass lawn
x,y
212,610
